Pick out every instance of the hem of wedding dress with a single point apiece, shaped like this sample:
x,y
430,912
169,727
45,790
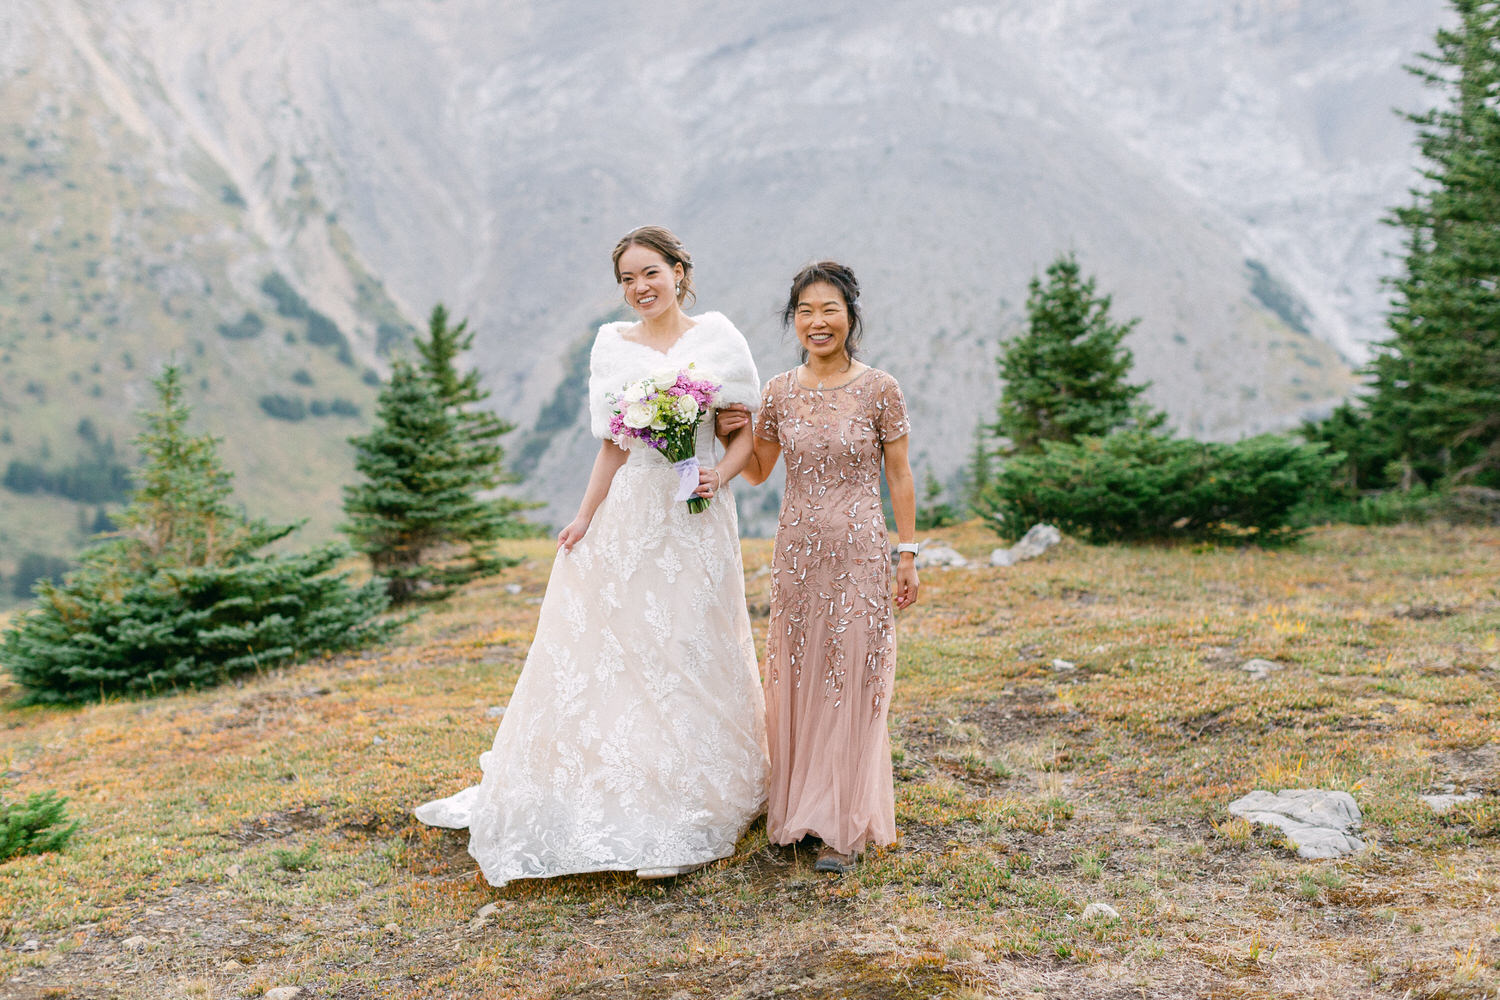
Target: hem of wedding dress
x,y
683,866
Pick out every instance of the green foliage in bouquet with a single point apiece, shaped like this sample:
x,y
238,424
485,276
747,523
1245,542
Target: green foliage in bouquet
x,y
181,595
420,512
1140,486
34,826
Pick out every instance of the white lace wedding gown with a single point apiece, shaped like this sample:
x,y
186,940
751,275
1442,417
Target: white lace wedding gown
x,y
635,738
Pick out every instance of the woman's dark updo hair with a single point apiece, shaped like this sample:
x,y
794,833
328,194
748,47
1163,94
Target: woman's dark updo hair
x,y
829,272
661,240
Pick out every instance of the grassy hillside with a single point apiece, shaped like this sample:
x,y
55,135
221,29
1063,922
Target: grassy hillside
x,y
259,835
111,265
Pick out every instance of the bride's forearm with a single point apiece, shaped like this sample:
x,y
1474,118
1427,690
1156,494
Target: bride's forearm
x,y
737,452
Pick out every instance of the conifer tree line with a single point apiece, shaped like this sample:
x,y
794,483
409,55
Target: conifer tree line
x,y
183,593
1083,451
1431,417
1078,448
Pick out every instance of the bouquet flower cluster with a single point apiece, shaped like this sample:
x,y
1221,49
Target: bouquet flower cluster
x,y
663,411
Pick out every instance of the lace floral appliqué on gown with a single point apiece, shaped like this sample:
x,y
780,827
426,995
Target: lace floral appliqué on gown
x,y
635,738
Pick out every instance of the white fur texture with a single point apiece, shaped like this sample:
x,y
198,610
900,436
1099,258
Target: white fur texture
x,y
715,347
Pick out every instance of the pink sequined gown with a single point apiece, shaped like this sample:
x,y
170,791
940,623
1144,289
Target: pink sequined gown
x,y
831,645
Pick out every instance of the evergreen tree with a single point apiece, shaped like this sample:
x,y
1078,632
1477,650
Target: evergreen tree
x,y
978,476
479,428
180,515
1435,399
1064,378
179,596
418,502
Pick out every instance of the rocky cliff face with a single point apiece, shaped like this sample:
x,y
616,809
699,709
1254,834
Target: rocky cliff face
x,y
1220,167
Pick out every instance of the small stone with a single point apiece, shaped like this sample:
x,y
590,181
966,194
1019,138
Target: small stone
x,y
392,928
1064,665
1319,822
1037,540
938,555
1259,669
512,588
282,993
485,911
378,741
137,943
233,871
231,967
1441,804
495,711
1104,910
31,944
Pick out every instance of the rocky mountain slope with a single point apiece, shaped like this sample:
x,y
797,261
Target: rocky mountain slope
x,y
1221,168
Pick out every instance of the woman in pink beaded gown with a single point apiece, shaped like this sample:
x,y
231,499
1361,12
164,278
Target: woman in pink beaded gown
x,y
831,644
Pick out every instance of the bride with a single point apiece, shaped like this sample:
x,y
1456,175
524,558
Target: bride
x,y
635,739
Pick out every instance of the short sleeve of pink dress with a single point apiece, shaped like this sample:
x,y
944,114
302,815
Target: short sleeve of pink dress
x,y
831,646
765,420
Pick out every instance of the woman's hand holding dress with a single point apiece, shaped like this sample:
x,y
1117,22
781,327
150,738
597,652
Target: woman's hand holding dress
x,y
573,533
906,582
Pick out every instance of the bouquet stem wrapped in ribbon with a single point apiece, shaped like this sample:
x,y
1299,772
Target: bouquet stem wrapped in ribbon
x,y
664,411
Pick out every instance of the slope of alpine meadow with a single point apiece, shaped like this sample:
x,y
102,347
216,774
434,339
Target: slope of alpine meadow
x,y
1068,731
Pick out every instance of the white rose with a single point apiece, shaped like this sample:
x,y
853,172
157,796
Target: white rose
x,y
665,379
640,390
638,415
687,407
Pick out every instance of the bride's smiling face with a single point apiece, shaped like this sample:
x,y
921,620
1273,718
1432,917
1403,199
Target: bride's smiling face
x,y
649,282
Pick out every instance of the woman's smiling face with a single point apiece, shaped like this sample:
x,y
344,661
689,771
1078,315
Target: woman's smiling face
x,y
822,322
648,281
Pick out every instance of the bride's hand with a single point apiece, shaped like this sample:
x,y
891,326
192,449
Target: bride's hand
x,y
570,536
731,418
709,482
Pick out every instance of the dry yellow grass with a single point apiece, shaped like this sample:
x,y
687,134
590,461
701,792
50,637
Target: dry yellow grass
x,y
259,835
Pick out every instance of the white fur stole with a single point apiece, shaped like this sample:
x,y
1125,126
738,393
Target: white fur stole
x,y
714,347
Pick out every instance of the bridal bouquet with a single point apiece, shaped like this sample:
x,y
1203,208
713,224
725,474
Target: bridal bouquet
x,y
663,410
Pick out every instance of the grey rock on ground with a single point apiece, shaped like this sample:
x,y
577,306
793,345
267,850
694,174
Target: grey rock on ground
x,y
1100,910
1318,821
1039,539
283,993
1443,803
136,943
939,555
1259,669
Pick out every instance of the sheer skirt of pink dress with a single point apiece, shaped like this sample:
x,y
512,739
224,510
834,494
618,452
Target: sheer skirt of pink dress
x,y
831,644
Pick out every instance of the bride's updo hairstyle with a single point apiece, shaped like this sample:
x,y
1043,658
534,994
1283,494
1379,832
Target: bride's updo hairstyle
x,y
664,242
829,272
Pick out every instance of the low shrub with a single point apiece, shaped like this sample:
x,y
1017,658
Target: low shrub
x,y
34,826
1141,486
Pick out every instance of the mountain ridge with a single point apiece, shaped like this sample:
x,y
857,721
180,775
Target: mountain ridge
x,y
1219,169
